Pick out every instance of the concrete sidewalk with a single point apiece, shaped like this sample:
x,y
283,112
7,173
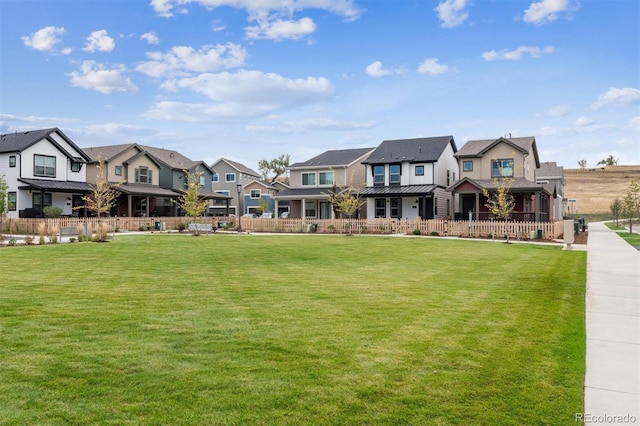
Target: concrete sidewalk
x,y
612,382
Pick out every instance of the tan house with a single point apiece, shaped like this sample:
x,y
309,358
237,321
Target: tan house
x,y
483,161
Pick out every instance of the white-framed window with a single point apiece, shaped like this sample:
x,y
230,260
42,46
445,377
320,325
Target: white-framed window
x,y
255,193
467,166
308,179
419,170
230,177
143,175
325,178
310,208
215,178
44,165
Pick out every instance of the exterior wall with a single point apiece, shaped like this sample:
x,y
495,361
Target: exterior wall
x,y
266,194
221,168
446,168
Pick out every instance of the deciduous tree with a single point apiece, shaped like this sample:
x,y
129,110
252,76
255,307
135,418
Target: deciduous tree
x,y
277,167
193,204
102,197
609,161
500,202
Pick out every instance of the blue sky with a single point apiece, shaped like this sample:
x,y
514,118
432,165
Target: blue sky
x,y
254,79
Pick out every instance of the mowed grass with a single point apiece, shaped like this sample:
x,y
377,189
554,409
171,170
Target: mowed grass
x,y
229,330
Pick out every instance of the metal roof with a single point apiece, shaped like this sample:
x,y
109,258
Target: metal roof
x,y
388,191
54,185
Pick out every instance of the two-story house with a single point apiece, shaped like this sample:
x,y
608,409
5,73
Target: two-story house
x,y
42,168
136,174
407,178
310,182
228,179
259,198
483,161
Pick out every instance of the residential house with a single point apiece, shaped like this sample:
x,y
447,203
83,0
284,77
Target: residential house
x,y
228,179
136,174
310,182
483,161
259,198
552,177
407,178
42,168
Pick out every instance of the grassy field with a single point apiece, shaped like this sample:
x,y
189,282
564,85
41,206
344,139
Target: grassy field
x,y
175,329
595,189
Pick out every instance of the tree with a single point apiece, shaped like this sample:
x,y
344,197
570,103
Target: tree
x,y
616,207
191,201
101,199
277,166
4,201
345,200
609,161
582,164
631,203
500,202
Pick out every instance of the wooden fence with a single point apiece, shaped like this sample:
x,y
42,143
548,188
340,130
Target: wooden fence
x,y
459,228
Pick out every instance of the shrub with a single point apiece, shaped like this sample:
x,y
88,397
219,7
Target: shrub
x,y
434,233
52,211
72,239
28,240
12,241
417,232
331,228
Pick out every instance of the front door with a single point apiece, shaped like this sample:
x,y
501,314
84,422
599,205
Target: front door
x,y
468,204
428,208
325,210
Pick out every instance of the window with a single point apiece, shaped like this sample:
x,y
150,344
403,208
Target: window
x,y
223,192
378,175
310,209
12,161
230,177
502,168
12,201
448,177
467,166
44,165
308,179
38,203
381,207
394,174
201,180
325,178
143,175
396,207
215,178
118,170
255,193
76,165
419,170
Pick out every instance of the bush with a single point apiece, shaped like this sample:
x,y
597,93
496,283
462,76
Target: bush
x,y
12,241
51,211
434,233
417,232
28,240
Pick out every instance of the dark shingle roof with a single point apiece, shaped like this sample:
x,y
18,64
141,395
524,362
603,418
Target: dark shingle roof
x,y
107,151
549,170
417,150
19,141
476,148
238,166
336,157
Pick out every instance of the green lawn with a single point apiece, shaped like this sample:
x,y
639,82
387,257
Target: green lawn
x,y
176,329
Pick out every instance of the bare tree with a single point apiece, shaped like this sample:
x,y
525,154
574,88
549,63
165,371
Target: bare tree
x,y
616,208
582,164
277,166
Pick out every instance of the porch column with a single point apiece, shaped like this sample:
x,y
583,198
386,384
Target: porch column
x,y
129,202
275,207
147,207
537,206
303,211
477,209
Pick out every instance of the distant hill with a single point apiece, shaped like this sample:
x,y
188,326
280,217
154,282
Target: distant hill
x,y
595,188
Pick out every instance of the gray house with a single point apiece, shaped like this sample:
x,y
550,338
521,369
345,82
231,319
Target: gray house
x,y
407,178
228,179
551,176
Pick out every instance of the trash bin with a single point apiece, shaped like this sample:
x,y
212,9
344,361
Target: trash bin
x,y
533,235
539,234
156,226
582,224
163,226
576,227
312,227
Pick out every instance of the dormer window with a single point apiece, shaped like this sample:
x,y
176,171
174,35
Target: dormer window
x,y
143,175
76,165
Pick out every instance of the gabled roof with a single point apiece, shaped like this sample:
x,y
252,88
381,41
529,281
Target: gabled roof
x,y
174,159
333,158
19,141
142,154
550,170
109,151
238,166
417,150
477,148
518,185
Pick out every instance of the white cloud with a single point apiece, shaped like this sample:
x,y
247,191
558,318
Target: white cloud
x,y
184,60
375,69
99,41
558,111
617,97
545,11
583,121
452,12
280,29
345,8
431,66
516,55
150,37
45,39
634,123
96,76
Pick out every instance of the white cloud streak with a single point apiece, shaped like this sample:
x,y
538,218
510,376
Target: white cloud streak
x,y
431,66
150,38
516,55
546,11
97,77
280,29
617,97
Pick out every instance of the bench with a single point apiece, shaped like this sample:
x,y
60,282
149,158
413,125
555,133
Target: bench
x,y
201,227
68,231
